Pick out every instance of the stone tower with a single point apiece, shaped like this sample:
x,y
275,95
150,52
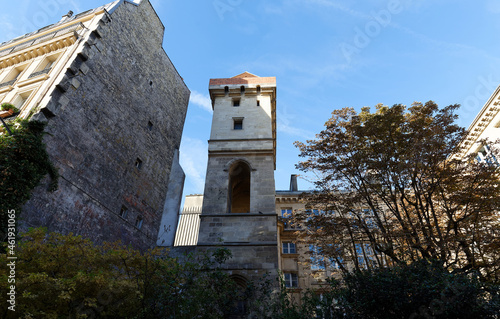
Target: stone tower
x,y
239,199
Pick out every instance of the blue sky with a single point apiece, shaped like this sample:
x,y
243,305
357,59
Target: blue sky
x,y
325,54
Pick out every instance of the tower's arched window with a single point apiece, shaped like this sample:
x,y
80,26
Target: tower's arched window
x,y
226,90
258,89
239,188
242,89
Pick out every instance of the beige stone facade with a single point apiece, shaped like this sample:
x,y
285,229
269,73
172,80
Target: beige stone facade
x,y
484,131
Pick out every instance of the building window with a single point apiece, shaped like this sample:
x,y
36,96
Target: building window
x,y
316,260
334,264
138,163
11,78
485,155
258,89
258,102
150,125
21,99
286,212
291,280
138,222
289,248
226,90
238,124
123,212
236,102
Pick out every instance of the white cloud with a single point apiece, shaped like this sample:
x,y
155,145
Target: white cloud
x,y
201,100
193,159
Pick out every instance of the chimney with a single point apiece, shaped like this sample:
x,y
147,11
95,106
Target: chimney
x,y
67,15
293,183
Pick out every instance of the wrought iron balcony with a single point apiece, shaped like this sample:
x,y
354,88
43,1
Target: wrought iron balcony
x,y
44,71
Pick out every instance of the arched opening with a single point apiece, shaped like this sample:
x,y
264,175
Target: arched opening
x,y
239,188
226,90
240,304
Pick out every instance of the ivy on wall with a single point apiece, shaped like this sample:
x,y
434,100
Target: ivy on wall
x,y
23,163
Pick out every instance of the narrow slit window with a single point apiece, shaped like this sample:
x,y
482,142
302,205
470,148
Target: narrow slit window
x,y
138,222
123,212
150,125
138,163
258,102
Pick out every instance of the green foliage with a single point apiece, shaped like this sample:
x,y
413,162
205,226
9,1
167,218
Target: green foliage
x,y
421,290
7,106
66,276
23,163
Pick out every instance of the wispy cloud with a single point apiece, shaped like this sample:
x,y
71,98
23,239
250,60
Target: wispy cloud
x,y
340,7
193,159
289,125
201,100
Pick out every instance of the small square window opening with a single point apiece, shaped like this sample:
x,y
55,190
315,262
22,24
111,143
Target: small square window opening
x,y
236,102
238,124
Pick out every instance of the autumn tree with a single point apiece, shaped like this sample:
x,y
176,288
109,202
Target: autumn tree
x,y
389,190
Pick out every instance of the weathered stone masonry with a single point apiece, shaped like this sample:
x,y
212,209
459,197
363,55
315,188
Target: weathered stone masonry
x,y
115,119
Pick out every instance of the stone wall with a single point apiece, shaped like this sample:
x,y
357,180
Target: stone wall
x,y
114,122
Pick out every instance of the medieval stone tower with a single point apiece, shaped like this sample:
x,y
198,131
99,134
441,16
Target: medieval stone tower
x,y
239,199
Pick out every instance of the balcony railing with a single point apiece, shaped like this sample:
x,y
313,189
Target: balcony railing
x,y
7,83
44,71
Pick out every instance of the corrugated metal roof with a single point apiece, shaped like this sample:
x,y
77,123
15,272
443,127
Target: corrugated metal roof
x,y
189,222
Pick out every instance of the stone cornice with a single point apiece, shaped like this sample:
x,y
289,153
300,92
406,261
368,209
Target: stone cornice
x,y
40,49
481,122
